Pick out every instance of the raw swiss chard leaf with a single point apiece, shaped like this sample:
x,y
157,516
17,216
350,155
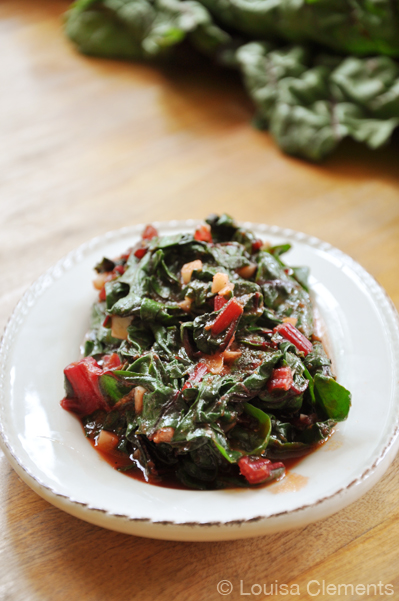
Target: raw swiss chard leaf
x,y
371,83
330,24
310,104
141,29
308,101
331,398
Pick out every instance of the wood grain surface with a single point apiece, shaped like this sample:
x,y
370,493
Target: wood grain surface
x,y
89,145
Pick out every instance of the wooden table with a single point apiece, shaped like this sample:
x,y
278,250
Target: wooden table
x,y
91,145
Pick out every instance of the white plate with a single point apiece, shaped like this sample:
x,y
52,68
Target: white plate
x,y
47,448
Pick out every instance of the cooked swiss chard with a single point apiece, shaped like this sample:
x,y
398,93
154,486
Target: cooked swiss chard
x,y
201,364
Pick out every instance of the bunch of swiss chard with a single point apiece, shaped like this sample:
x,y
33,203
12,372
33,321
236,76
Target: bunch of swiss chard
x,y
201,362
338,79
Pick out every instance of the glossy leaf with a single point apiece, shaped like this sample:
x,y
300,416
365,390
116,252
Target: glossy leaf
x,y
265,427
332,398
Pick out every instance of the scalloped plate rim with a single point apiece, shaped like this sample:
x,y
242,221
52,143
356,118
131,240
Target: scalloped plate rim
x,y
221,530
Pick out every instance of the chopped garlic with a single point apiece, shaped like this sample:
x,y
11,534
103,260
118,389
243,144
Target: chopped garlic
x,y
214,363
291,320
163,435
120,326
186,304
230,356
188,268
226,291
247,271
100,280
138,398
220,280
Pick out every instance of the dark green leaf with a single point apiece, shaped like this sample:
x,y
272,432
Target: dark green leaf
x,y
332,398
112,388
265,427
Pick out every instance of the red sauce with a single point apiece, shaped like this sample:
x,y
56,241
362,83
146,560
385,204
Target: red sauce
x,y
118,460
167,479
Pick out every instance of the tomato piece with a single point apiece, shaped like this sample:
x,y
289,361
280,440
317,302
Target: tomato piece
x,y
257,245
82,382
163,435
257,470
203,234
248,271
232,311
140,252
119,269
101,280
111,361
291,333
102,294
281,379
107,441
126,255
219,302
149,232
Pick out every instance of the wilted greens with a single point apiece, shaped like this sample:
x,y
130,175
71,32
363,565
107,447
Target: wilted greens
x,y
201,364
338,79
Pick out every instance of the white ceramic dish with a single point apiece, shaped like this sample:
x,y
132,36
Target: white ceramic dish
x,y
46,446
